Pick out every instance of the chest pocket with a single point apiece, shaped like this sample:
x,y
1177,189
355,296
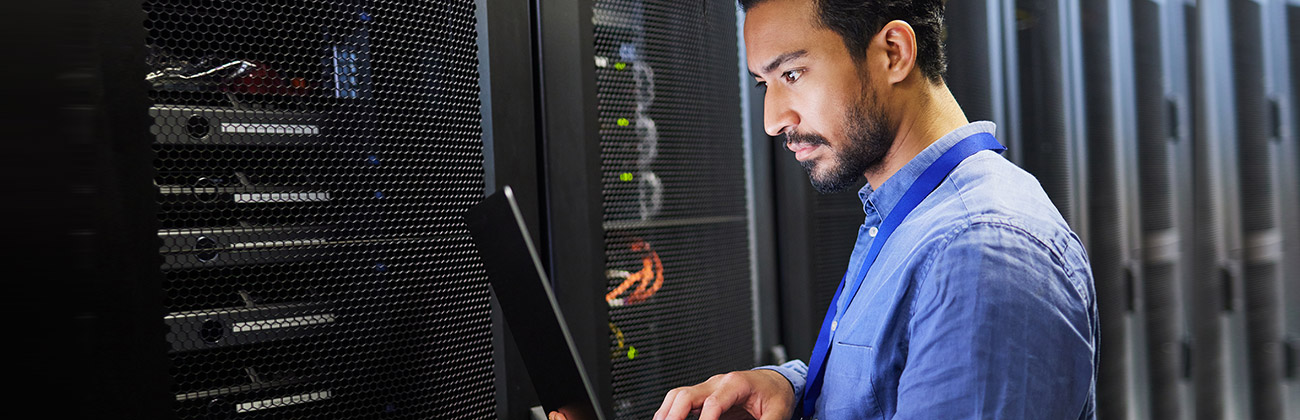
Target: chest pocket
x,y
850,388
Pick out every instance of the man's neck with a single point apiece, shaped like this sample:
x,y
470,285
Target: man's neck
x,y
934,116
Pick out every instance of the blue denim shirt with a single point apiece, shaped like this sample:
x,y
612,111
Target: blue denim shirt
x,y
980,306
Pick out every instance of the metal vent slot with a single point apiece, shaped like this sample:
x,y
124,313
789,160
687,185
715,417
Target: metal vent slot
x,y
241,246
197,330
182,125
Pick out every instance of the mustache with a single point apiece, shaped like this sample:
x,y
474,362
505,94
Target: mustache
x,y
812,139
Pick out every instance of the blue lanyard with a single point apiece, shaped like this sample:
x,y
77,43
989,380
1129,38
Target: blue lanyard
x,y
927,182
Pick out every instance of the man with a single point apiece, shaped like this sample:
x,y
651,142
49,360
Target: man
x,y
978,302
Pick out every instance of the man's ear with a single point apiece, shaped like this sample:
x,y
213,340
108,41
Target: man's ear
x,y
898,42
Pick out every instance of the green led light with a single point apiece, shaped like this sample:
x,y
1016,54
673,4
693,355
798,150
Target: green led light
x,y
623,122
625,177
631,352
620,65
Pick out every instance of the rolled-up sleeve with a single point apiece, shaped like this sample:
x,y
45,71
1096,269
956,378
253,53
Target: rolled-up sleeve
x,y
795,371
999,329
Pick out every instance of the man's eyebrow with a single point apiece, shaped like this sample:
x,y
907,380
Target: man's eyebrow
x,y
781,59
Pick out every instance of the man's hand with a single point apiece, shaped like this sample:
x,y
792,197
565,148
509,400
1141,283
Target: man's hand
x,y
762,394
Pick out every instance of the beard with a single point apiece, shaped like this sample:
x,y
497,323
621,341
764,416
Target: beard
x,y
868,140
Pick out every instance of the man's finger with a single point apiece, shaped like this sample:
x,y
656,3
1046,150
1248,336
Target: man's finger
x,y
683,403
668,403
687,402
718,403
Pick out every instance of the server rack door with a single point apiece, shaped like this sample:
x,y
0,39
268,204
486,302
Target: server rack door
x,y
981,65
677,228
568,123
312,162
86,319
1258,130
1164,154
1217,327
1050,72
511,157
1112,204
1291,203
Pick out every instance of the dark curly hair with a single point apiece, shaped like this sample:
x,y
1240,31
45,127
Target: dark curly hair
x,y
856,21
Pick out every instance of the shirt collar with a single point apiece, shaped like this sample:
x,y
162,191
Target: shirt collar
x,y
882,200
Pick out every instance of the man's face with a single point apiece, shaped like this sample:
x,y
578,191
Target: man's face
x,y
817,94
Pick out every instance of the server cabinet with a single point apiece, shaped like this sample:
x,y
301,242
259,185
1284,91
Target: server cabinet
x,y
1290,193
1112,205
680,279
1165,202
1261,82
89,331
570,169
1220,388
511,150
1052,131
815,235
296,171
980,41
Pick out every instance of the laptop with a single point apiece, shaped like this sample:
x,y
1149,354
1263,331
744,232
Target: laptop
x,y
529,307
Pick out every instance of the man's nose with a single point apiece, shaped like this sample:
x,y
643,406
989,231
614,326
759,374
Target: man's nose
x,y
778,116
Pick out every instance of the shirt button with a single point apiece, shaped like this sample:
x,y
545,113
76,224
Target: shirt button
x,y
833,325
873,231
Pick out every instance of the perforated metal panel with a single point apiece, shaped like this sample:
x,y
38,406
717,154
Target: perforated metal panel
x,y
836,219
313,160
1052,105
981,64
1217,336
1164,203
1257,130
677,241
1112,203
1291,207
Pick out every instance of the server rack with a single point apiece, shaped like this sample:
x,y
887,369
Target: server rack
x,y
1220,387
570,177
981,44
1052,104
511,151
92,332
1112,205
815,236
1290,193
677,227
1261,82
1165,174
285,180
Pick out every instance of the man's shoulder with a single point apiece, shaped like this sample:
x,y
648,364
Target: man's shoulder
x,y
990,190
990,206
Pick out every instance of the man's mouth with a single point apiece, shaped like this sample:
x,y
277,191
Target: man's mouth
x,y
802,150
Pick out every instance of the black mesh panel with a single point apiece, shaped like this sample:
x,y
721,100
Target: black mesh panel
x,y
1107,250
674,191
1263,286
967,42
313,159
836,219
1046,143
1162,299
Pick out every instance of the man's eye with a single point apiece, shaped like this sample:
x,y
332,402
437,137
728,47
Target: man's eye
x,y
761,85
792,75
